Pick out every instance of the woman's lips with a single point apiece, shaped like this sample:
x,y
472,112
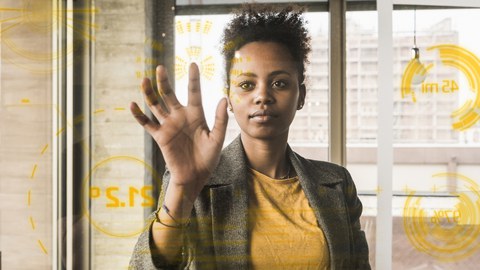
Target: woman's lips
x,y
262,116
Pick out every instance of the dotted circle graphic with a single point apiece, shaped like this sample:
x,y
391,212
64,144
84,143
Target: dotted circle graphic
x,y
36,169
450,233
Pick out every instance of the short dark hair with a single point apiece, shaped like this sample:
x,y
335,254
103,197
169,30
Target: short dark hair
x,y
267,22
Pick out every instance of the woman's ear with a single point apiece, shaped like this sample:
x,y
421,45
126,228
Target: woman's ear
x,y
226,92
301,96
229,101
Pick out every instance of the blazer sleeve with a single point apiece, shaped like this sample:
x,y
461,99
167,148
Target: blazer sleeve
x,y
145,255
359,242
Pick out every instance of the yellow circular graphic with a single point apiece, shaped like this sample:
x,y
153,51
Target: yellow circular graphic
x,y
197,30
37,20
116,197
125,197
455,57
447,232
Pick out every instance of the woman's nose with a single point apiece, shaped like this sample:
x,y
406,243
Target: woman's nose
x,y
263,95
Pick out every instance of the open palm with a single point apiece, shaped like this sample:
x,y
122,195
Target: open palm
x,y
191,151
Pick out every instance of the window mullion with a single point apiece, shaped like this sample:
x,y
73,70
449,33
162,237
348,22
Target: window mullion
x,y
337,126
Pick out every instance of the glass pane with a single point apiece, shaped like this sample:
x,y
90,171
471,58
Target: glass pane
x,y
117,195
197,40
436,126
309,131
26,108
362,43
436,136
362,87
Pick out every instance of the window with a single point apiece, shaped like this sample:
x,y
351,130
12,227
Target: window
x,y
431,154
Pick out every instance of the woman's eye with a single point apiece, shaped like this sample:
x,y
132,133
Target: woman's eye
x,y
246,85
279,84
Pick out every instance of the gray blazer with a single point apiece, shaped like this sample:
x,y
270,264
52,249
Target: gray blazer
x,y
217,237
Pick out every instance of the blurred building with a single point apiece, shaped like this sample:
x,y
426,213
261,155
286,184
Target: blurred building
x,y
425,121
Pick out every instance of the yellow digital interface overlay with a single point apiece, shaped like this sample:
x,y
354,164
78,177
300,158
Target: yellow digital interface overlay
x,y
38,20
449,229
31,194
194,52
116,197
106,193
199,30
416,81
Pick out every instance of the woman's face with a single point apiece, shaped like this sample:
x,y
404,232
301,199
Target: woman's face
x,y
264,89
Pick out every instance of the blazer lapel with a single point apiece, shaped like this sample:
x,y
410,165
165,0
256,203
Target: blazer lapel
x,y
229,200
327,201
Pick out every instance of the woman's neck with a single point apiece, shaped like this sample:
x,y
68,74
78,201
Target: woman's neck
x,y
267,156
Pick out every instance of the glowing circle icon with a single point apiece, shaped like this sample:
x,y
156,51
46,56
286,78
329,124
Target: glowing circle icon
x,y
37,20
116,196
447,231
198,29
413,82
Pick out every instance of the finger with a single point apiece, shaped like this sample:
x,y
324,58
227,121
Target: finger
x,y
142,119
194,92
151,99
165,89
221,121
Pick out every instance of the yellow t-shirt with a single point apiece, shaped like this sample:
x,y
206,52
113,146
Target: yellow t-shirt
x,y
283,228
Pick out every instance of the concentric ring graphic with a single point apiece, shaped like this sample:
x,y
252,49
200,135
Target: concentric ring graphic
x,y
458,58
447,232
37,19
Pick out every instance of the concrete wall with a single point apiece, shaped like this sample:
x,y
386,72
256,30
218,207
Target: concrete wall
x,y
119,55
26,114
25,135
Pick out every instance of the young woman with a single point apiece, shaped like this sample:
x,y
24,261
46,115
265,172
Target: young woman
x,y
256,204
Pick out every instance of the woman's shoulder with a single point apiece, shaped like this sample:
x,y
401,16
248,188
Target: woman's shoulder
x,y
325,165
327,172
317,164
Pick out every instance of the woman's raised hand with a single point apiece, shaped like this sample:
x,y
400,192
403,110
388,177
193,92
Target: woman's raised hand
x,y
191,151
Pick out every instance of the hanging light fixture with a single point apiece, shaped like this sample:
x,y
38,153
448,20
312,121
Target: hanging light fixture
x,y
415,50
420,71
